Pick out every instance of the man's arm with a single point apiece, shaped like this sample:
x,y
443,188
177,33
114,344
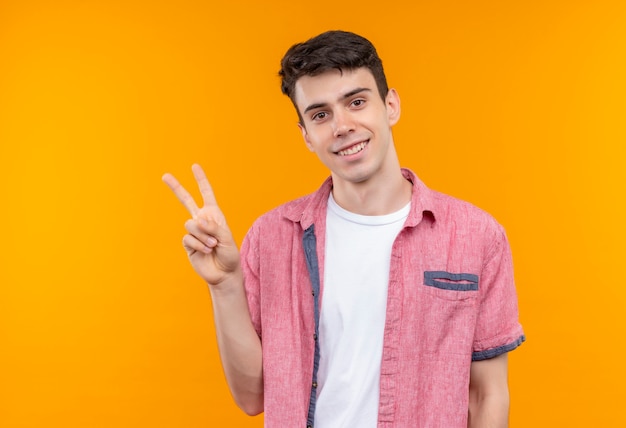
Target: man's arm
x,y
239,345
489,393
215,257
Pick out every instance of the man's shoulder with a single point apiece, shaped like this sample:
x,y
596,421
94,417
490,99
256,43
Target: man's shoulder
x,y
304,209
445,209
460,211
286,210
280,223
454,203
301,210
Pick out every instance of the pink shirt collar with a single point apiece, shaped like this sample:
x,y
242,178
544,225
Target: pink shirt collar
x,y
307,210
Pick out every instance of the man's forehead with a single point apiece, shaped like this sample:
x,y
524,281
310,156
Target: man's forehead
x,y
332,85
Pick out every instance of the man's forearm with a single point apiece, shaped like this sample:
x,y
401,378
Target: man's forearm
x,y
239,345
490,411
489,393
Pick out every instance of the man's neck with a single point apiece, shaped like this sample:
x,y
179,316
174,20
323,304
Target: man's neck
x,y
383,195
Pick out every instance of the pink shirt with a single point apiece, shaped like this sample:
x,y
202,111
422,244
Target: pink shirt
x,y
451,299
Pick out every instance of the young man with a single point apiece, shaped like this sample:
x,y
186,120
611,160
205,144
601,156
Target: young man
x,y
374,301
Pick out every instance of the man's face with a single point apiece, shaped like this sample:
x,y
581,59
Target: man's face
x,y
347,124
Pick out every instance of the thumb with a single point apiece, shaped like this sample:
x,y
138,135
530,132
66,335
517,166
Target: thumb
x,y
212,227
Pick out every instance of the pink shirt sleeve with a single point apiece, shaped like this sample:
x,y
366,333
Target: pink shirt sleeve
x,y
250,266
498,329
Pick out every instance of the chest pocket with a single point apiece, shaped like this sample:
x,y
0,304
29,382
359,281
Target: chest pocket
x,y
451,286
450,301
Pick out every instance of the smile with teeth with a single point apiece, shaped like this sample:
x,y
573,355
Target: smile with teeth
x,y
352,150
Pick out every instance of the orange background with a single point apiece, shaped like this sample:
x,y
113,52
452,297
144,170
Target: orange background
x,y
518,107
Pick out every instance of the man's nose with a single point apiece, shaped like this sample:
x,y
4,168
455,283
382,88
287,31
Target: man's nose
x,y
343,124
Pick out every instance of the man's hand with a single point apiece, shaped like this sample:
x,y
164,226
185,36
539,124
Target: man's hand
x,y
214,255
209,243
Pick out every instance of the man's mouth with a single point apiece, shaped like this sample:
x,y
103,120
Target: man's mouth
x,y
353,149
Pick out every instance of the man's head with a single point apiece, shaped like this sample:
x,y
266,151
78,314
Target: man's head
x,y
337,85
332,50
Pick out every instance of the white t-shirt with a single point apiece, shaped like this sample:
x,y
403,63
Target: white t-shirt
x,y
352,317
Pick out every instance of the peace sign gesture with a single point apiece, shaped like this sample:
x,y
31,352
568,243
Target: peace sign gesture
x,y
209,244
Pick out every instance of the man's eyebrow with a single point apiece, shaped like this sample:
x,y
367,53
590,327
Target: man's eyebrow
x,y
314,106
343,97
354,92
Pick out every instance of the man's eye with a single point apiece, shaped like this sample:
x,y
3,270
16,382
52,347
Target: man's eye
x,y
358,103
319,116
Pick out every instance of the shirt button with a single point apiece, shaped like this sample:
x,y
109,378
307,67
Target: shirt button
x,y
314,384
309,426
313,292
314,336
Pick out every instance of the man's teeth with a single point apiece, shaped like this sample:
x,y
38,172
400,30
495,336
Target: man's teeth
x,y
354,149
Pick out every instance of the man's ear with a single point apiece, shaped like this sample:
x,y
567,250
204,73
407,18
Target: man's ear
x,y
305,136
392,102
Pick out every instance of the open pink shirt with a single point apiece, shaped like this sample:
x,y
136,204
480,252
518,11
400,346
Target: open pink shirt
x,y
451,300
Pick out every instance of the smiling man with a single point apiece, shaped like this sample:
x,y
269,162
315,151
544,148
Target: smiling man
x,y
373,302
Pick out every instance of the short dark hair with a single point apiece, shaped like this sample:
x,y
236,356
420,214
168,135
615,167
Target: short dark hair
x,y
332,50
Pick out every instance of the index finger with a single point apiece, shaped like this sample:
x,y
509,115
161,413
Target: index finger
x,y
203,184
181,193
